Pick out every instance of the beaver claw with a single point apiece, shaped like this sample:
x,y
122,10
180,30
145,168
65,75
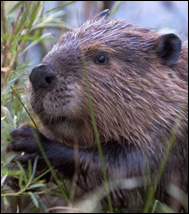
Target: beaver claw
x,y
24,140
28,140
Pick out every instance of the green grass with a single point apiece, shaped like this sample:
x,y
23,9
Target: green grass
x,y
22,30
22,25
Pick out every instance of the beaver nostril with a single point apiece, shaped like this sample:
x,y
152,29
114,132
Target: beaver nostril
x,y
49,79
42,76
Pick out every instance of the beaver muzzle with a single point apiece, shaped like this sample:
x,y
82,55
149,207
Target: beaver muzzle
x,y
42,77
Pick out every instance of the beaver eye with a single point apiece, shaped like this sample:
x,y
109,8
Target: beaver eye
x,y
101,59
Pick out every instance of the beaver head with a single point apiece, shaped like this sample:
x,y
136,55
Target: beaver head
x,y
135,89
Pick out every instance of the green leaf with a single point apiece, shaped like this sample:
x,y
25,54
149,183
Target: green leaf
x,y
115,7
46,36
61,6
34,199
17,5
35,186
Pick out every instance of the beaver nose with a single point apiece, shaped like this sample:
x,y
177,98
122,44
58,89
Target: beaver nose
x,y
41,76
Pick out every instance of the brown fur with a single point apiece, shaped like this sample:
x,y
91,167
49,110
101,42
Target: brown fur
x,y
134,95
137,100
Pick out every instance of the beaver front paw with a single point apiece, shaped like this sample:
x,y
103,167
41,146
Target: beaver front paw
x,y
35,145
29,141
26,139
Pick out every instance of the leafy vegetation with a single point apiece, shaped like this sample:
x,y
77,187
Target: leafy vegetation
x,y
22,27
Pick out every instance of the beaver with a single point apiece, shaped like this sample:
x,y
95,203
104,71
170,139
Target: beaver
x,y
138,88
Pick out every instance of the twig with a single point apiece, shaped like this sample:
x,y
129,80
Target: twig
x,y
4,44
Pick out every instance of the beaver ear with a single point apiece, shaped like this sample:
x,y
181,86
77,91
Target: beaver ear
x,y
103,14
169,48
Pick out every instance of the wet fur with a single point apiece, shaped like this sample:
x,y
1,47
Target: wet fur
x,y
137,100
